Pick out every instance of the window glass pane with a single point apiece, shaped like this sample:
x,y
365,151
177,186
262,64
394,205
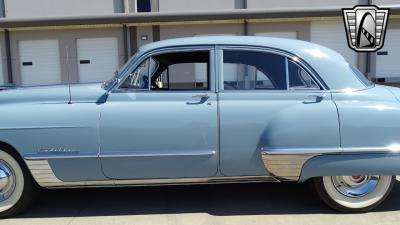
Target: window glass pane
x,y
250,70
143,6
181,71
300,78
139,78
188,76
361,76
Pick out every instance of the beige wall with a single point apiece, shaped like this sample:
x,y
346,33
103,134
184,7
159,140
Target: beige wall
x,y
392,24
144,31
302,28
3,58
299,3
186,5
174,31
67,40
385,2
54,8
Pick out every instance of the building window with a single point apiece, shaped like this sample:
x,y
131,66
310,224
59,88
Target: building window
x,y
143,5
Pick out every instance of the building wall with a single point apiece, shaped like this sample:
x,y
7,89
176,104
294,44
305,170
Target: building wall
x,y
67,42
385,2
299,3
136,34
301,28
4,78
187,5
393,24
191,30
56,8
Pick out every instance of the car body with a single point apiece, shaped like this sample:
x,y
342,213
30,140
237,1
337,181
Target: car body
x,y
208,110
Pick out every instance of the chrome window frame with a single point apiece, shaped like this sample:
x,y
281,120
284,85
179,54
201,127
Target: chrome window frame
x,y
300,62
288,77
137,62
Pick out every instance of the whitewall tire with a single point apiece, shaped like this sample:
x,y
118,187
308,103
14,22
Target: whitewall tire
x,y
353,193
17,188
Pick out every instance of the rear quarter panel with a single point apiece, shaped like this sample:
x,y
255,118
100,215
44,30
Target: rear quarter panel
x,y
368,119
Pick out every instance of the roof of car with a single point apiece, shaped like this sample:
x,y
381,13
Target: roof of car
x,y
330,65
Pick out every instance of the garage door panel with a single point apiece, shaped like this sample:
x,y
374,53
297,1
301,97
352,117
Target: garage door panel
x,y
332,34
39,62
97,59
289,35
387,66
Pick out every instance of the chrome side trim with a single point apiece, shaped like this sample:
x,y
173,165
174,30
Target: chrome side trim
x,y
42,172
154,153
286,164
295,151
45,156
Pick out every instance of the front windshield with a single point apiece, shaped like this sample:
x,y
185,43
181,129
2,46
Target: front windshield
x,y
107,84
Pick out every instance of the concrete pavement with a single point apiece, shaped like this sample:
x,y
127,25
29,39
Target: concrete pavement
x,y
242,204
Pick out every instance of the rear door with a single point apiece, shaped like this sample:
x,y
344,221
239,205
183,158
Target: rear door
x,y
269,102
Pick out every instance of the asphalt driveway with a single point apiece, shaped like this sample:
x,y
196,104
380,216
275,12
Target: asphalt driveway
x,y
244,204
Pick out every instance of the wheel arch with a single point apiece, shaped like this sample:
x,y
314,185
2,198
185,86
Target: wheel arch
x,y
351,164
4,146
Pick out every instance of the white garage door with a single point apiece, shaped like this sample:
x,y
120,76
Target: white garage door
x,y
332,34
39,62
290,35
387,59
97,59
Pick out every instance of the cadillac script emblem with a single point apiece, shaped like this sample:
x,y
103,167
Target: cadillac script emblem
x,y
366,27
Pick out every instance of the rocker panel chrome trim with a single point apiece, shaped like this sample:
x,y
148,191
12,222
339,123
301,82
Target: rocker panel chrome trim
x,y
45,177
286,164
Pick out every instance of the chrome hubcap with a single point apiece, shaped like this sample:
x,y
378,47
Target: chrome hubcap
x,y
355,186
7,181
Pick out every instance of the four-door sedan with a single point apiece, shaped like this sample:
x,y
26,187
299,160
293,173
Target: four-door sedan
x,y
207,110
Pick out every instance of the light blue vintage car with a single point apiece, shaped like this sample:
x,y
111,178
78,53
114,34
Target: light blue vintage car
x,y
207,110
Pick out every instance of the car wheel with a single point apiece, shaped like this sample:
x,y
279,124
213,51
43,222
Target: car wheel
x,y
351,194
17,187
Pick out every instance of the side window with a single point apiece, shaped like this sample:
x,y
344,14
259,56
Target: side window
x,y
181,71
300,78
139,78
250,70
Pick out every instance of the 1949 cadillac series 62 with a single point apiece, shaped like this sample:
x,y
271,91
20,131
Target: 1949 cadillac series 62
x,y
207,110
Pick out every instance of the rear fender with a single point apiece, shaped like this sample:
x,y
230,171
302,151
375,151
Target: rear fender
x,y
351,164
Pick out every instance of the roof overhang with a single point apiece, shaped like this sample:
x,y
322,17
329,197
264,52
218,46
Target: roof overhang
x,y
188,16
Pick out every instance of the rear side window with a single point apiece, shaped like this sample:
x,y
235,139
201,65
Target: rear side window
x,y
299,78
252,70
361,76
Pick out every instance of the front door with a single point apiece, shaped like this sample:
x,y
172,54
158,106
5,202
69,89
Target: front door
x,y
162,121
268,101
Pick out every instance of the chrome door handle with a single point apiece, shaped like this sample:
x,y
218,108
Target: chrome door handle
x,y
201,96
314,98
202,99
